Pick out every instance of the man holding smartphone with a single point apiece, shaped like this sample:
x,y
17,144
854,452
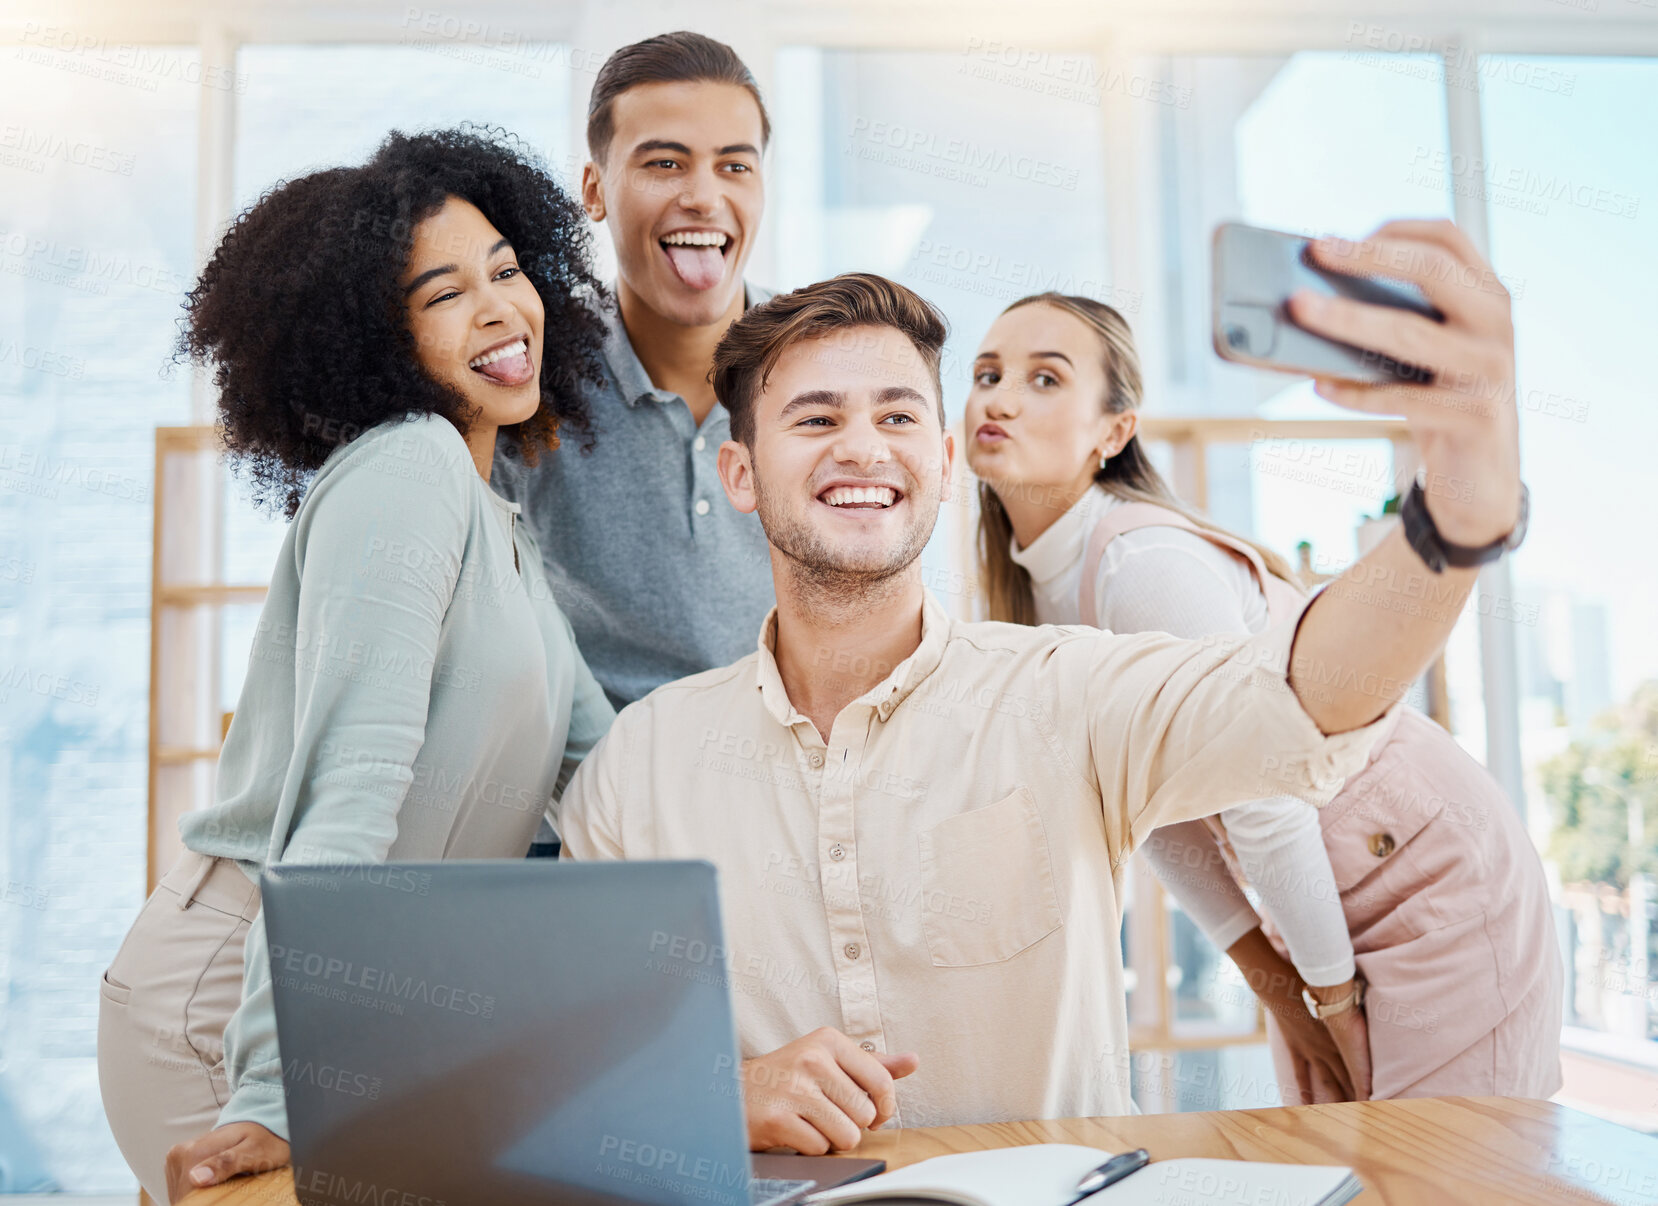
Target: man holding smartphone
x,y
919,823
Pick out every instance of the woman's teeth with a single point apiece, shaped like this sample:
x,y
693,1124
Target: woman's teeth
x,y
695,238
517,348
851,496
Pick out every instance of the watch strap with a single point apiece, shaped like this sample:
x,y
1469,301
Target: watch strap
x,y
1436,552
1321,1011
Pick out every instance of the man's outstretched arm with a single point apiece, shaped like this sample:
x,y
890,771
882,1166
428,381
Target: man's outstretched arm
x,y
1372,632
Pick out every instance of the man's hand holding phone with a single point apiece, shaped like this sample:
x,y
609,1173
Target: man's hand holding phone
x,y
820,1093
1464,421
1414,296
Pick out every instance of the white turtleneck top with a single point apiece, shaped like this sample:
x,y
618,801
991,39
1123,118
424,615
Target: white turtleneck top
x,y
1169,580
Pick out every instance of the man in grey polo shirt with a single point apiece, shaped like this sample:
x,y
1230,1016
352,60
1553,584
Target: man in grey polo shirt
x,y
660,578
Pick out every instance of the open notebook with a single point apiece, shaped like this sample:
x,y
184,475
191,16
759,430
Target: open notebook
x,y
1046,1174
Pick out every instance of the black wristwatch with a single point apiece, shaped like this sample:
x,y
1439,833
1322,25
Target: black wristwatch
x,y
1437,552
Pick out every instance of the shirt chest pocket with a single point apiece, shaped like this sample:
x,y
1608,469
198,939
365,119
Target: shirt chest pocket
x,y
987,880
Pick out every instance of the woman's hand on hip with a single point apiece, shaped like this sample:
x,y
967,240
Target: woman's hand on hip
x,y
224,1152
1350,1031
1316,1064
1320,1069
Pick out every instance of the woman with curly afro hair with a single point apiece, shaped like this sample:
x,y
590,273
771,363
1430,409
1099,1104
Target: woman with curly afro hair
x,y
413,690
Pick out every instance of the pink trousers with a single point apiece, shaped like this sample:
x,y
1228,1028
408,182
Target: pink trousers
x,y
1451,924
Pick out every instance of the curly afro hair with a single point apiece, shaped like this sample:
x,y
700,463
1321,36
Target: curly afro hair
x,y
301,317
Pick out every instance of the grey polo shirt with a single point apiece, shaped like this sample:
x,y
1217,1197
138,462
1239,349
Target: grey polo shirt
x,y
658,574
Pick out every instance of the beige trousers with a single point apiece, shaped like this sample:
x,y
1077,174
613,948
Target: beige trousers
x,y
162,1012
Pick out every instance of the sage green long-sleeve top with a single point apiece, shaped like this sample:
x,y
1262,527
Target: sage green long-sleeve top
x,y
413,692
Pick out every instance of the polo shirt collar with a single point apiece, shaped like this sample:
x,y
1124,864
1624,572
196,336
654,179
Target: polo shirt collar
x,y
632,381
886,695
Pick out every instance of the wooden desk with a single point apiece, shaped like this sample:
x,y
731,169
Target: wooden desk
x,y
1465,1151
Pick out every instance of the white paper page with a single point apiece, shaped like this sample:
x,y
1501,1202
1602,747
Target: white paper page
x,y
1039,1174
1196,1182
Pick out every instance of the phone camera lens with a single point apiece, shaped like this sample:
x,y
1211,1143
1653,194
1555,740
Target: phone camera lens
x,y
1236,336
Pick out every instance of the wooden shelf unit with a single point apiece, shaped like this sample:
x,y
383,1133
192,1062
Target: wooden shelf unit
x,y
187,601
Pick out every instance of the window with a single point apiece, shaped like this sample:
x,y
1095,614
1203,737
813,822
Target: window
x,y
1574,226
311,106
97,170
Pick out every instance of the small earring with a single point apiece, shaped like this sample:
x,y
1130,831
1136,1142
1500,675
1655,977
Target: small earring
x,y
1104,457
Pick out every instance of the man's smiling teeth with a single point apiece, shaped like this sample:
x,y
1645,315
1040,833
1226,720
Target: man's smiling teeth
x,y
695,238
842,496
518,348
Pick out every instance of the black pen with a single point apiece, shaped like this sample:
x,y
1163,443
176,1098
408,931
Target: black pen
x,y
1109,1173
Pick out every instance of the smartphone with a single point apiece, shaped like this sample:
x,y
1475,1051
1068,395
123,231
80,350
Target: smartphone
x,y
1256,271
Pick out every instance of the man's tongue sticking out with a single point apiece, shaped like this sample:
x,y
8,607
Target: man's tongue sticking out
x,y
698,267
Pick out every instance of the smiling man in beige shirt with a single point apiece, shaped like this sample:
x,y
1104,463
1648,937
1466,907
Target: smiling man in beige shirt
x,y
920,824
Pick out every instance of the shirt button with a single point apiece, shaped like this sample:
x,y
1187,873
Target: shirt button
x,y
867,1045
853,950
1381,844
815,757
702,506
837,852
698,444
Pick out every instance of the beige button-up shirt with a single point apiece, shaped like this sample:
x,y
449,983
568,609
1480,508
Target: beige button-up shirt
x,y
942,874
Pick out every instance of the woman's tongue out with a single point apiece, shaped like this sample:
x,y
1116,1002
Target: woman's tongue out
x,y
698,267
508,370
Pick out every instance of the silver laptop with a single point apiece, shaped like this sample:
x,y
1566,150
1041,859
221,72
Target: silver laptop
x,y
491,1032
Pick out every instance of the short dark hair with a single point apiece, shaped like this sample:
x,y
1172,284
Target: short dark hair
x,y
299,314
670,58
753,343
